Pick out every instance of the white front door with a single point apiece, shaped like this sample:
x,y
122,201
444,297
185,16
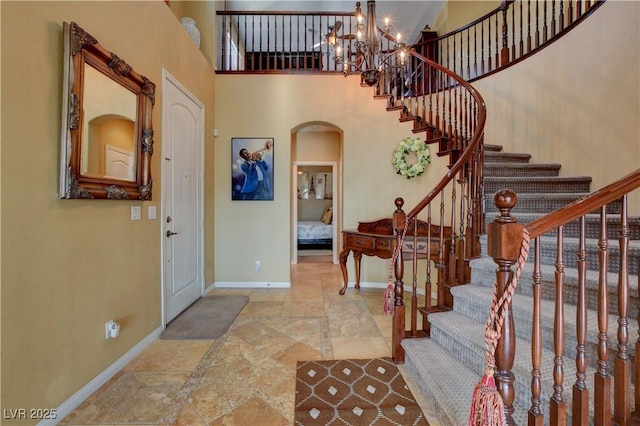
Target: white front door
x,y
182,194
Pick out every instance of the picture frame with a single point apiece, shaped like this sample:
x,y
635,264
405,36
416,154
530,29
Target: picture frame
x,y
252,169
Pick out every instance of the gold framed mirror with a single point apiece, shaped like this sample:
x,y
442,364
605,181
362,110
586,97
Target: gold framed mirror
x,y
107,136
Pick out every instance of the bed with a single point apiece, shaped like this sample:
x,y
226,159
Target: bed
x,y
316,234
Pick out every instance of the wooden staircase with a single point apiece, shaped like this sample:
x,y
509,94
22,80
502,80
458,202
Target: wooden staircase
x,y
448,365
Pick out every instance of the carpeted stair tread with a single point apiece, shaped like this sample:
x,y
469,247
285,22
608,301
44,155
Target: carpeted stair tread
x,y
474,300
446,383
543,202
592,225
462,337
532,184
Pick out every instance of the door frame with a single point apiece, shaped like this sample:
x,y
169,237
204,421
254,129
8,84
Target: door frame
x,y
294,210
167,78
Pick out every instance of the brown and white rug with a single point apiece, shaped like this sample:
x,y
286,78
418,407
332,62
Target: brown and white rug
x,y
354,392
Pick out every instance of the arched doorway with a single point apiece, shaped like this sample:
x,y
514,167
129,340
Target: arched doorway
x,y
316,210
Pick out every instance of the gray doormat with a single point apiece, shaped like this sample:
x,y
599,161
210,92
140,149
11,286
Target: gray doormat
x,y
208,318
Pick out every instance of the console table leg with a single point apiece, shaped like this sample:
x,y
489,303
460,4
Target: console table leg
x,y
344,254
357,255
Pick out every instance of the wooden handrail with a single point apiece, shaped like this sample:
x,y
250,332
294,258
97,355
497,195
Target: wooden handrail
x,y
583,206
477,137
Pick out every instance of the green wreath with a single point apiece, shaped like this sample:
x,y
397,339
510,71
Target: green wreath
x,y
406,146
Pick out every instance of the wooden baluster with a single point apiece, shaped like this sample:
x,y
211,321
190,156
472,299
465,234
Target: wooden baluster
x,y
558,407
453,276
398,332
562,17
537,36
580,408
482,48
529,26
442,267
553,18
468,54
498,63
504,236
521,44
535,415
545,26
622,363
414,281
427,296
602,395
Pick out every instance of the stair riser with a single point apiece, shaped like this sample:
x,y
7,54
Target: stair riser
x,y
548,255
525,287
470,354
524,170
542,203
551,185
505,157
592,227
475,309
450,410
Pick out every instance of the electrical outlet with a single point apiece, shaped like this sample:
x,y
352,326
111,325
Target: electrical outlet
x,y
107,329
111,329
258,265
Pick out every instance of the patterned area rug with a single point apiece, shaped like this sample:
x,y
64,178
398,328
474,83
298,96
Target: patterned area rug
x,y
354,392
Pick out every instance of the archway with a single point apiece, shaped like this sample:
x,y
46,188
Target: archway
x,y
316,151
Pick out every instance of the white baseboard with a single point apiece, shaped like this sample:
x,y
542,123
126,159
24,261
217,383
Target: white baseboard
x,y
76,399
251,284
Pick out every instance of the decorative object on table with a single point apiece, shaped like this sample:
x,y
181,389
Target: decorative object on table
x,y
252,169
189,25
406,147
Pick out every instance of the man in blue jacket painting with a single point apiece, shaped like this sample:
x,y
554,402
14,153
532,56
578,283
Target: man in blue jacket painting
x,y
256,182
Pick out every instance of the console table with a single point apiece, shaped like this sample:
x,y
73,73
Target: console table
x,y
377,239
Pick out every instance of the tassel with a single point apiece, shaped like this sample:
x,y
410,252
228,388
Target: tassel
x,y
487,407
389,299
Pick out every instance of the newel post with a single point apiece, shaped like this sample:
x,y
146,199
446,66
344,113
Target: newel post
x,y
504,237
399,220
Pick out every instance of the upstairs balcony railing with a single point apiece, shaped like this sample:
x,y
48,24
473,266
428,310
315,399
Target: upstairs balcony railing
x,y
504,36
295,42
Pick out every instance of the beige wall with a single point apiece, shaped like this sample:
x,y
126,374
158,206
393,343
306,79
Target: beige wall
x,y
61,276
578,105
68,266
275,105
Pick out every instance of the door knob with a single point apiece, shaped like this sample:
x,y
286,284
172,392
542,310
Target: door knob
x,y
169,233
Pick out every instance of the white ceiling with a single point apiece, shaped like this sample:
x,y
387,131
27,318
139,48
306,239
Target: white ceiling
x,y
407,17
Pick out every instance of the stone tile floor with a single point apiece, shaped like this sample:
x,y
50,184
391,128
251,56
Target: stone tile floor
x,y
248,375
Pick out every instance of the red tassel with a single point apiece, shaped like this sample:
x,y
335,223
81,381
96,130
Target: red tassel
x,y
487,407
389,300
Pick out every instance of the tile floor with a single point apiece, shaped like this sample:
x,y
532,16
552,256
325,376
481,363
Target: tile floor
x,y
247,376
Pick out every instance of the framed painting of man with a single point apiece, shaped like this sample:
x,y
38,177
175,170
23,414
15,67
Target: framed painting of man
x,y
252,169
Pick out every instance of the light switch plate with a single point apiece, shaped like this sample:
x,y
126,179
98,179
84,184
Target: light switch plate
x,y
151,214
136,212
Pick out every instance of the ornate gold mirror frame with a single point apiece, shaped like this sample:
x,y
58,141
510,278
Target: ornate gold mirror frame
x,y
107,136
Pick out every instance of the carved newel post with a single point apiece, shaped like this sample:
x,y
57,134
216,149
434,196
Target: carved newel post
x,y
503,244
399,221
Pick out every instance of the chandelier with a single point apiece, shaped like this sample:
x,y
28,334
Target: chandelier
x,y
366,54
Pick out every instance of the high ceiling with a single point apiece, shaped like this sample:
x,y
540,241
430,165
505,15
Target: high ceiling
x,y
407,17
